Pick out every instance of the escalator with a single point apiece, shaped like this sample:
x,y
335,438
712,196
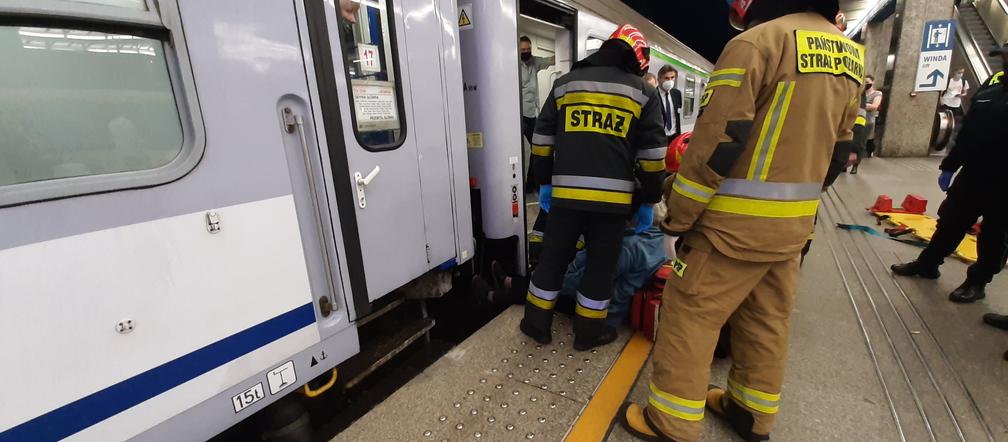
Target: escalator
x,y
982,25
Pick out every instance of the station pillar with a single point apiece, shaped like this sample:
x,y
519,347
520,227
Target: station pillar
x,y
907,117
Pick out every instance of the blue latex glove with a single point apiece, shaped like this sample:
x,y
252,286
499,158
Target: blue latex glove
x,y
945,180
545,197
643,218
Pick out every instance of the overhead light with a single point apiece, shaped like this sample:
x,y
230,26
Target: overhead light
x,y
40,34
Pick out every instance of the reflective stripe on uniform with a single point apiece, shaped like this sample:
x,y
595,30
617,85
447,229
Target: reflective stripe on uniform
x,y
726,77
757,400
590,313
656,153
544,299
592,303
543,140
601,99
676,406
692,190
601,196
652,165
763,208
770,191
601,86
770,134
536,236
860,121
591,182
542,151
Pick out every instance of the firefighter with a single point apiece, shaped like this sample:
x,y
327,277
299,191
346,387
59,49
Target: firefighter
x,y
776,125
978,190
600,140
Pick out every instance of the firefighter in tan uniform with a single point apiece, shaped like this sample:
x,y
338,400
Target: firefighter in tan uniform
x,y
775,128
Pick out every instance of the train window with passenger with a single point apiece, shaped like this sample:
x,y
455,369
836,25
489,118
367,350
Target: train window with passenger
x,y
689,95
79,103
368,42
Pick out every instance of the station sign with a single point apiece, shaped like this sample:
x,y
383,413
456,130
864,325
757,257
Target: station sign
x,y
936,55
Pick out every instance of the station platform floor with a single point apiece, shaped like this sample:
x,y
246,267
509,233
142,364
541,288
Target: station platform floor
x,y
872,356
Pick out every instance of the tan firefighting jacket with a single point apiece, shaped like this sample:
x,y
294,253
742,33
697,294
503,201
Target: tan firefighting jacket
x,y
779,106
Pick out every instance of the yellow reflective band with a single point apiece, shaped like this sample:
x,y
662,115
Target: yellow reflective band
x,y
777,130
652,165
676,406
996,79
770,132
589,313
539,302
602,99
763,208
755,399
542,151
535,238
735,71
602,196
730,83
828,53
860,121
692,190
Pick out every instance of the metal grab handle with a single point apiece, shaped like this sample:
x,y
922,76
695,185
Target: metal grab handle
x,y
294,122
370,177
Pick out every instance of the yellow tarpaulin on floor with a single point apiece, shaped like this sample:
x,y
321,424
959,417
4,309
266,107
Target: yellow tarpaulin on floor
x,y
924,227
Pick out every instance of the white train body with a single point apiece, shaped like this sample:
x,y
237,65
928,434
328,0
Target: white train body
x,y
287,178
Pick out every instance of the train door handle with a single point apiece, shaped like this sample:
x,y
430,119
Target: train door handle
x,y
362,182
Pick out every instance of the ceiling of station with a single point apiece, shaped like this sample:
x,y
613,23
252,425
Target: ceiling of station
x,y
856,10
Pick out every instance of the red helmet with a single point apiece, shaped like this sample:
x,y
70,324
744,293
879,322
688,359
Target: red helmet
x,y
633,37
676,149
737,15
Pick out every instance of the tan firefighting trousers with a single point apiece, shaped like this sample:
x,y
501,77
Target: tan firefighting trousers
x,y
756,299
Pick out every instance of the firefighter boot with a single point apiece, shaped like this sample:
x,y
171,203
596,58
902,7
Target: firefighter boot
x,y
996,320
592,332
916,268
537,323
968,292
740,420
635,421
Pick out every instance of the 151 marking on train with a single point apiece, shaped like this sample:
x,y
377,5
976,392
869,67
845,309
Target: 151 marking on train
x,y
248,397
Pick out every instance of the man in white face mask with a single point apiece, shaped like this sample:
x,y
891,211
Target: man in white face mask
x,y
671,100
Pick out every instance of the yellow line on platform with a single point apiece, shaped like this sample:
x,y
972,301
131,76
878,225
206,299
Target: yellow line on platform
x,y
594,421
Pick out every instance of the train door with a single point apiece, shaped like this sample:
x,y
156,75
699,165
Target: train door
x,y
382,157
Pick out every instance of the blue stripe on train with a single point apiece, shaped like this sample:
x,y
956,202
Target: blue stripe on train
x,y
89,410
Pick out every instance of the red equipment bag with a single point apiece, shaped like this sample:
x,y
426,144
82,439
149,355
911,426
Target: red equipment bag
x,y
644,312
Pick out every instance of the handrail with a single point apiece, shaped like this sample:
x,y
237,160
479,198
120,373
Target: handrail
x,y
974,53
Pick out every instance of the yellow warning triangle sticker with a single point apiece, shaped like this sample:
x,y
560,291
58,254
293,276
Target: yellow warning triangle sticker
x,y
464,19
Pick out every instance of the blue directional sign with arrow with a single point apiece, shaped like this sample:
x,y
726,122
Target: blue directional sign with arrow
x,y
936,55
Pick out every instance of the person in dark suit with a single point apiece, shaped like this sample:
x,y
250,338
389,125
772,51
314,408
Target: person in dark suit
x,y
671,101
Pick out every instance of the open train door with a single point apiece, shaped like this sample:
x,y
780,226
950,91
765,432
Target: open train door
x,y
391,151
497,151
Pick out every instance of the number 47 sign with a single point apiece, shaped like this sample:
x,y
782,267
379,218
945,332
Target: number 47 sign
x,y
936,55
368,58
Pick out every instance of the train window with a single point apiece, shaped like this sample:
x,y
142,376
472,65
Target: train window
x,y
689,95
371,64
592,45
78,103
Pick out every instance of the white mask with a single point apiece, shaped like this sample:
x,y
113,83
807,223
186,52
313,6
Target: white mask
x,y
667,85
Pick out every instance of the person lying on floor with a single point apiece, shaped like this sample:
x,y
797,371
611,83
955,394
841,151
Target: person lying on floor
x,y
641,255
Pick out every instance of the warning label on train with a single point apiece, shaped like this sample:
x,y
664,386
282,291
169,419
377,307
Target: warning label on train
x,y
822,52
465,16
375,105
